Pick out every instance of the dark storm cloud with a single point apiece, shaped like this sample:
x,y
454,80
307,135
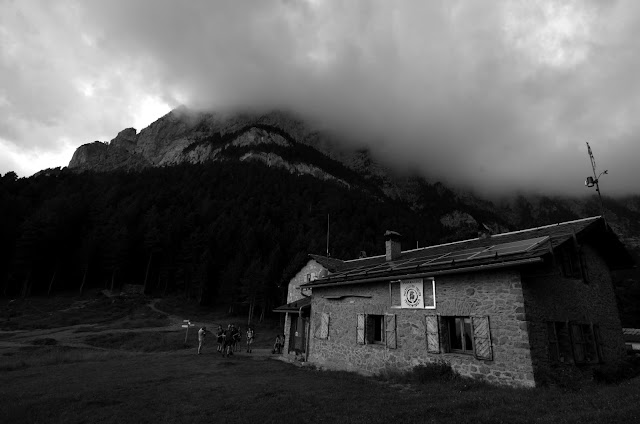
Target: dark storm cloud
x,y
499,95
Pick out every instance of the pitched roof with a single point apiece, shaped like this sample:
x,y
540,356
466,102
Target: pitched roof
x,y
331,264
501,250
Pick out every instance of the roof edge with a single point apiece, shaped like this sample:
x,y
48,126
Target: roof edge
x,y
475,268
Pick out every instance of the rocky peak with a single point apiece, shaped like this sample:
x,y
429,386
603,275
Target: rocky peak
x,y
126,139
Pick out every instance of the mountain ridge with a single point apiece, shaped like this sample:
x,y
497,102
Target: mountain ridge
x,y
277,138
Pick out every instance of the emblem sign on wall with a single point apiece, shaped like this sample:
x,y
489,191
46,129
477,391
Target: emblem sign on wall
x,y
415,294
412,293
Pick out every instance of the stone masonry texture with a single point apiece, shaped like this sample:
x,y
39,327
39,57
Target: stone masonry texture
x,y
293,293
496,294
551,297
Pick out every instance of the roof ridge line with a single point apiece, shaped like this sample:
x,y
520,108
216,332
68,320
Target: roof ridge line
x,y
506,234
547,226
492,236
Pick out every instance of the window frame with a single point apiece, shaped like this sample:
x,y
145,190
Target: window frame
x,y
573,342
462,322
369,326
572,261
377,323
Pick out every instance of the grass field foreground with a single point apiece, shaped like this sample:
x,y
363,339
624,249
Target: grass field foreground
x,y
179,386
104,373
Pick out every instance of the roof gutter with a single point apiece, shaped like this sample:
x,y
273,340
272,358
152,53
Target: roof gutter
x,y
433,273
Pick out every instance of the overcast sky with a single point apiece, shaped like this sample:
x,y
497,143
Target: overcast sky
x,y
501,95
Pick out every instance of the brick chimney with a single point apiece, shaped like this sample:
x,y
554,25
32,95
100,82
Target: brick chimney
x,y
392,245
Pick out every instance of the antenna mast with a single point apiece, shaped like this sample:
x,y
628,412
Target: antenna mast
x,y
327,235
591,181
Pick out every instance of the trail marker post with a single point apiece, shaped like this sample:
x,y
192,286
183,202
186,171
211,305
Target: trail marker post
x,y
186,325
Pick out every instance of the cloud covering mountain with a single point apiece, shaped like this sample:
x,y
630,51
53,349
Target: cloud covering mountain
x,y
499,95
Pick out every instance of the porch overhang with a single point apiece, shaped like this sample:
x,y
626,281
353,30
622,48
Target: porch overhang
x,y
294,307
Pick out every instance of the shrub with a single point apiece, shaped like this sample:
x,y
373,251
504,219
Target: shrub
x,y
421,374
568,377
434,371
615,373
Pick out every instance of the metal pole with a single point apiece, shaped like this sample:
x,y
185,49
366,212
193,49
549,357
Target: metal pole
x,y
595,180
327,235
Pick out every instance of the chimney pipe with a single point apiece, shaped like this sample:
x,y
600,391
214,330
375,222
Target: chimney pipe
x,y
392,245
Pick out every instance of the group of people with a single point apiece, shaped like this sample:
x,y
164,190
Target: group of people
x,y
228,340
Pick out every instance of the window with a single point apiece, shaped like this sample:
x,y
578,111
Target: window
x,y
571,260
574,342
376,329
462,334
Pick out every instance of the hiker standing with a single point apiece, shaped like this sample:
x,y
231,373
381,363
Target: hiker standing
x,y
236,338
201,333
227,348
249,339
220,338
277,346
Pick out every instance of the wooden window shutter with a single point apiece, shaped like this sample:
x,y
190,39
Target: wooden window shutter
x,y
317,325
598,341
578,342
482,338
554,347
324,326
360,329
433,333
390,331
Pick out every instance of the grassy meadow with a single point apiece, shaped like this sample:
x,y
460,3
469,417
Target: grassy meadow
x,y
148,375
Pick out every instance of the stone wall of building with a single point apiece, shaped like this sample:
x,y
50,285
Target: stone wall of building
x,y
312,270
549,296
496,294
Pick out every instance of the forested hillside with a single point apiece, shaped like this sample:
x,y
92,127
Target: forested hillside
x,y
233,232
227,231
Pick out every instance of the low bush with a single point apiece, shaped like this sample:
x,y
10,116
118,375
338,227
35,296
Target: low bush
x,y
420,374
615,373
564,376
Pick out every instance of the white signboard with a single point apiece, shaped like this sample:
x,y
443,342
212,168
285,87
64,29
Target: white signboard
x,y
412,293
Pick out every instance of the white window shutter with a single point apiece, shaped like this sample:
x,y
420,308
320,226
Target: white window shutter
x,y
324,326
482,338
390,331
360,326
432,333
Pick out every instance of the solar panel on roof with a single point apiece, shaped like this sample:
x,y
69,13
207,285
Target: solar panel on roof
x,y
442,259
378,268
463,254
413,263
510,248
